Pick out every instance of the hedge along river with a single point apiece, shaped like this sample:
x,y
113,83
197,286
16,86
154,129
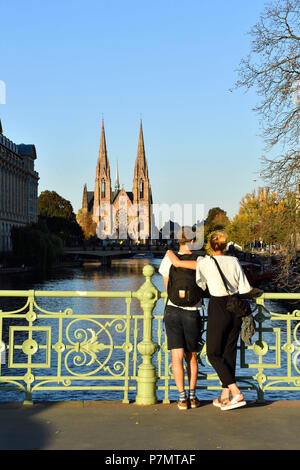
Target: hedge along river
x,y
123,275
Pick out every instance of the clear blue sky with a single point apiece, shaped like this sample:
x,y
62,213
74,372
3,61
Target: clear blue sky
x,y
67,63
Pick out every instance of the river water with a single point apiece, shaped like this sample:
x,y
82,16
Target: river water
x,y
124,275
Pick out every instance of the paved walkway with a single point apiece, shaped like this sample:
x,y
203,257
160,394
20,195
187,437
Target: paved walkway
x,y
113,426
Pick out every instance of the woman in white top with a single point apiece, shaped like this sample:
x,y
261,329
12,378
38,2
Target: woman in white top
x,y
223,327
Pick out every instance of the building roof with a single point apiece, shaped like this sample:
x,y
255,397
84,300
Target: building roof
x,y
116,193
27,150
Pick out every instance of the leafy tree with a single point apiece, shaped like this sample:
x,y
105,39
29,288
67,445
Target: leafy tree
x,y
212,214
275,221
216,220
260,217
51,204
68,230
85,220
286,227
273,68
57,214
35,246
240,230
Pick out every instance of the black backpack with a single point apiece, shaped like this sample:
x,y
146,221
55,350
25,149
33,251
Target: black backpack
x,y
182,288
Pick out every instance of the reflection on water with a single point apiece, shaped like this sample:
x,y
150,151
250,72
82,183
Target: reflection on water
x,y
122,275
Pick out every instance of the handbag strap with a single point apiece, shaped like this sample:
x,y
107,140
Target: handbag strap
x,y
222,275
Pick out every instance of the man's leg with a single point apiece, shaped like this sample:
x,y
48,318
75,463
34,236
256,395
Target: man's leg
x,y
192,369
192,372
177,367
176,343
178,372
192,325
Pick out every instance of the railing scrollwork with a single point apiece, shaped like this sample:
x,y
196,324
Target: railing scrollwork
x,y
91,351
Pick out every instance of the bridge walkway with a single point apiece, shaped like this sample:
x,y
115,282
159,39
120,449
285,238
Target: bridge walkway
x,y
113,427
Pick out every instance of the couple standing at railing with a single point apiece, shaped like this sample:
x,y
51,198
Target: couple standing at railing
x,y
183,322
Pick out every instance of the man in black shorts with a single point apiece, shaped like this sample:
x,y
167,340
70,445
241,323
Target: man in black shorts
x,y
183,323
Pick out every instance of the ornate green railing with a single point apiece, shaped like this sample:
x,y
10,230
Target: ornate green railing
x,y
92,350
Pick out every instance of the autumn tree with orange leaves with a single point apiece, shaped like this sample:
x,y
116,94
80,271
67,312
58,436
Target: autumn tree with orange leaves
x,y
261,217
274,221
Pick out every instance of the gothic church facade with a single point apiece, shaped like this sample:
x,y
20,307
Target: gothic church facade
x,y
120,214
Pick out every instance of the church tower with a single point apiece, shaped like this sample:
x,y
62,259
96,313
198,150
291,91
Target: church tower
x,y
85,200
118,213
102,193
141,190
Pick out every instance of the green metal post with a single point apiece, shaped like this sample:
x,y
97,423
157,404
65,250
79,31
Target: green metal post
x,y
147,377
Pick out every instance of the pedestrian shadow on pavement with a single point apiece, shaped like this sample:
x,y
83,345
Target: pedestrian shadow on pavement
x,y
256,404
21,430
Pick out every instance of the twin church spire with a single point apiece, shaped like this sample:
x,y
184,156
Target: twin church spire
x,y
141,167
103,168
102,163
103,193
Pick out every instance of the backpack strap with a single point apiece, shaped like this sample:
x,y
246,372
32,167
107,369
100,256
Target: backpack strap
x,y
187,256
222,275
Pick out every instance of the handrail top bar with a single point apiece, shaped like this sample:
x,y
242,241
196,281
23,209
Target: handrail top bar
x,y
121,294
89,294
279,295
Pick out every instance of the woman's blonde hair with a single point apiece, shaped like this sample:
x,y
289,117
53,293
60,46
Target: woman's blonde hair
x,y
218,241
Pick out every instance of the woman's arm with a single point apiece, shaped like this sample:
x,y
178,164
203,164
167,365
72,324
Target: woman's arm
x,y
181,263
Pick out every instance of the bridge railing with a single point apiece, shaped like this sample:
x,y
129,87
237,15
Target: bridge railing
x,y
117,344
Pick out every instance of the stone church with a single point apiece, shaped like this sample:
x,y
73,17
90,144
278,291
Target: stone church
x,y
120,214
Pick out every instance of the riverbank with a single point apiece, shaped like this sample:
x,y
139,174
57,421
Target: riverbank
x,y
26,269
113,427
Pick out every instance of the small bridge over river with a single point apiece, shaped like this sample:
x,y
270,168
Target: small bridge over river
x,y
106,255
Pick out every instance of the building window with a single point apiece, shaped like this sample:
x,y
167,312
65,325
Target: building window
x,y
103,187
141,189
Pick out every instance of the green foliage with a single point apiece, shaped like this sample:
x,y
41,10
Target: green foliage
x,y
35,246
216,220
51,204
56,216
85,220
69,231
263,216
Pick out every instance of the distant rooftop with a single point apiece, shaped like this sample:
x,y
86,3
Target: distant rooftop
x,y
24,150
